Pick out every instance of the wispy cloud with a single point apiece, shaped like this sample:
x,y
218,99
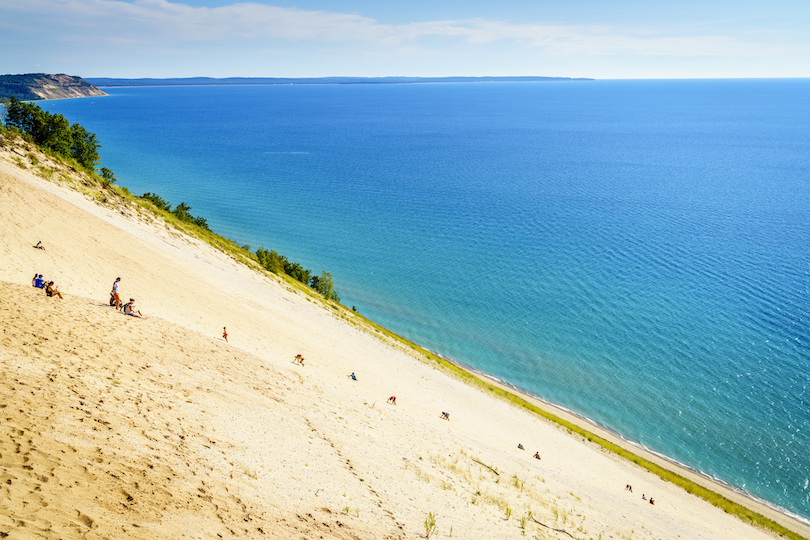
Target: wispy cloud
x,y
150,22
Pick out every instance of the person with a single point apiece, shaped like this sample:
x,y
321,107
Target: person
x,y
35,281
643,497
353,376
298,359
445,415
225,333
537,455
39,245
129,309
629,488
115,292
520,446
652,501
392,400
52,290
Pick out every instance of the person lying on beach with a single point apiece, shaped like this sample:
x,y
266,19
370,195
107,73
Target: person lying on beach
x,y
129,309
52,290
445,415
392,400
39,245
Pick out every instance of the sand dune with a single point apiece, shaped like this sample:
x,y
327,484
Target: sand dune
x,y
115,427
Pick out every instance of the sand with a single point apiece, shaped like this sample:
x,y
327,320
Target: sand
x,y
116,427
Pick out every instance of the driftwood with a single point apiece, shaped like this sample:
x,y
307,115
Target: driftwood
x,y
552,528
487,466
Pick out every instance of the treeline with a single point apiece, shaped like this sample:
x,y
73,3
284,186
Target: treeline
x,y
53,132
181,211
19,86
272,261
269,260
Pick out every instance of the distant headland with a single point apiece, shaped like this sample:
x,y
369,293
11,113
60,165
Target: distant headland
x,y
34,86
208,81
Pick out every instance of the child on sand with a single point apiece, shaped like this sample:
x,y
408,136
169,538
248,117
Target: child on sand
x,y
224,333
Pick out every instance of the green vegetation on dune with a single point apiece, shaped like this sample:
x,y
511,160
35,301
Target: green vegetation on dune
x,y
297,276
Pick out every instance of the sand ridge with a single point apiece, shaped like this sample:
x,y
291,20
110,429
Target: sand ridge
x,y
157,428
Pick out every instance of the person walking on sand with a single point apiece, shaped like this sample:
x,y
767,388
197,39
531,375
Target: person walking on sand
x,y
115,292
225,333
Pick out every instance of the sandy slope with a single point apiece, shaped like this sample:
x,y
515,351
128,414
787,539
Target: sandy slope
x,y
121,428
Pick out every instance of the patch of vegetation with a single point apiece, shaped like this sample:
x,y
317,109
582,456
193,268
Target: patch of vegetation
x,y
53,131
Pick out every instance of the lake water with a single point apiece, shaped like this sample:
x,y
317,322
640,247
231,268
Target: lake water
x,y
635,251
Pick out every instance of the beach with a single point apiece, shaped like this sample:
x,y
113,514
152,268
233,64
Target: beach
x,y
118,427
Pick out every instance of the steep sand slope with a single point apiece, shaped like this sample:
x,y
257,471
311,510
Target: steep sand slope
x,y
115,427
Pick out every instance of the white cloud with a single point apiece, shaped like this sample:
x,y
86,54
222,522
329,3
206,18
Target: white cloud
x,y
159,21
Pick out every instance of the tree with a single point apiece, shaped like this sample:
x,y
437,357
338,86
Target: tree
x,y
324,285
107,175
84,148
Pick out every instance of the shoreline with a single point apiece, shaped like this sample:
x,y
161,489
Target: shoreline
x,y
733,493
160,261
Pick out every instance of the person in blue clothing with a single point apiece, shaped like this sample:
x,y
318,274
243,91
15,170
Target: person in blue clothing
x,y
38,282
353,377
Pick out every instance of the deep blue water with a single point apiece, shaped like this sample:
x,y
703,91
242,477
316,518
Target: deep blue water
x,y
636,251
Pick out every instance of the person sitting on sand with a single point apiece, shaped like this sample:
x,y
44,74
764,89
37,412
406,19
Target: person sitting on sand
x,y
537,455
445,415
629,488
520,446
652,501
39,281
39,245
643,497
354,378
129,309
392,400
52,290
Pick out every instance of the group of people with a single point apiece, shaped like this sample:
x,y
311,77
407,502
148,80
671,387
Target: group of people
x,y
128,308
629,488
51,290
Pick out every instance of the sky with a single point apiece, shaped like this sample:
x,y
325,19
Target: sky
x,y
604,39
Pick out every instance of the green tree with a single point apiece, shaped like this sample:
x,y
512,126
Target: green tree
x,y
324,285
84,148
107,175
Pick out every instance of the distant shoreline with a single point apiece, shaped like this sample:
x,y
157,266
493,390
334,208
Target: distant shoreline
x,y
243,81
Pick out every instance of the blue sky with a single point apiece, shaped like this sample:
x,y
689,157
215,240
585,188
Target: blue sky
x,y
315,38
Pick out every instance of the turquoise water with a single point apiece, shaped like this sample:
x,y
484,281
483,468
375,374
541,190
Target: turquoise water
x,y
636,251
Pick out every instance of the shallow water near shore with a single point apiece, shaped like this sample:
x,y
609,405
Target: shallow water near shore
x,y
635,251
